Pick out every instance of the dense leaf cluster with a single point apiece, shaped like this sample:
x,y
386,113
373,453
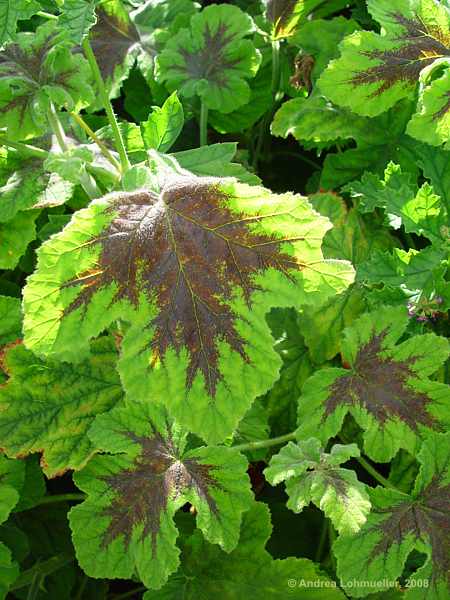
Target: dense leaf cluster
x,y
224,295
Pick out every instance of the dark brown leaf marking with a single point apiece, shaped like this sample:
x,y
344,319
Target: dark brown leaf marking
x,y
30,68
112,40
380,386
426,518
440,114
279,11
143,491
185,249
210,62
418,47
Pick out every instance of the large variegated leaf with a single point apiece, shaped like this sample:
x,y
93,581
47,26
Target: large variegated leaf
x,y
127,521
386,388
48,406
400,523
212,59
194,268
312,475
38,68
375,71
206,570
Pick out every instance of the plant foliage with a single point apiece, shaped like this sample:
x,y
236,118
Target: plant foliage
x,y
224,296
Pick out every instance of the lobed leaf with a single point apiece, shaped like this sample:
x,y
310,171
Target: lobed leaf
x,y
206,570
194,269
375,71
386,389
312,475
400,523
212,59
127,523
38,68
48,407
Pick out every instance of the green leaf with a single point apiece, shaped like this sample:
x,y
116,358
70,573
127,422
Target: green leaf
x,y
281,400
28,185
253,427
315,120
38,68
352,238
127,521
425,214
435,165
249,570
34,488
212,59
10,319
284,15
380,140
77,18
372,192
400,523
312,475
15,235
12,11
48,406
164,125
374,70
12,476
259,103
418,274
320,38
322,327
386,388
431,123
71,163
216,161
9,570
194,269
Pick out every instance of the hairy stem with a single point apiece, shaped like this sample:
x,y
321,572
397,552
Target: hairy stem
x,y
46,15
203,124
103,148
87,182
118,139
288,437
57,127
275,68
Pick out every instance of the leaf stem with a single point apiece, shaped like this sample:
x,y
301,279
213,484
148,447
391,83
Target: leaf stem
x,y
103,148
275,68
372,471
25,148
118,139
288,437
322,540
57,127
203,124
125,595
46,15
72,497
87,182
43,568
